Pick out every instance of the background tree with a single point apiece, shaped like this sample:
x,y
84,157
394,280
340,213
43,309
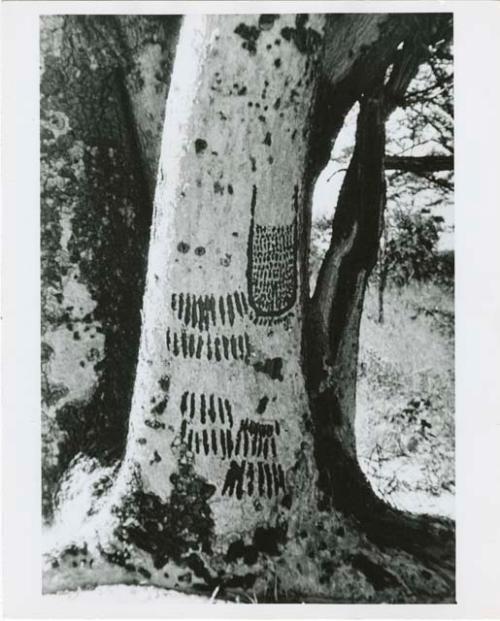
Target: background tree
x,y
418,164
217,486
104,81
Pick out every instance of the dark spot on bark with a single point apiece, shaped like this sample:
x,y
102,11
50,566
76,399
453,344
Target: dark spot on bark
x,y
249,34
76,336
183,247
261,408
307,40
200,145
252,162
277,103
195,563
340,532
242,90
271,367
154,424
235,234
141,441
262,118
199,251
267,139
238,549
156,458
144,572
244,582
230,189
164,383
377,575
277,63
270,159
267,540
74,550
287,501
218,188
266,21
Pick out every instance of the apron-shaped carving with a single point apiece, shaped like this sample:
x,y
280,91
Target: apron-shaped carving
x,y
272,265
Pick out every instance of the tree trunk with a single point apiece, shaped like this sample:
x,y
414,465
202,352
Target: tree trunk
x,y
240,468
103,87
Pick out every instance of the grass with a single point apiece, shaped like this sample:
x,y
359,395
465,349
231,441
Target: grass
x,y
405,397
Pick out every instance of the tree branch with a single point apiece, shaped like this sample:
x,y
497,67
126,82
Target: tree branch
x,y
419,165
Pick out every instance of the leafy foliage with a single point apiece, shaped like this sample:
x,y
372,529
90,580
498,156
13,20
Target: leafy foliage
x,y
410,251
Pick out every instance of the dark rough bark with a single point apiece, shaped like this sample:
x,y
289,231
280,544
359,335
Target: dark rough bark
x,y
333,332
99,144
337,303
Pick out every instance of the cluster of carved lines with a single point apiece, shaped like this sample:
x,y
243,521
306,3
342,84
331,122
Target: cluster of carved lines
x,y
207,427
250,477
205,311
191,345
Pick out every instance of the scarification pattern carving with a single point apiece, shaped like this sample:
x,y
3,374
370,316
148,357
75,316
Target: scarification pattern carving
x,y
208,428
206,311
192,345
272,265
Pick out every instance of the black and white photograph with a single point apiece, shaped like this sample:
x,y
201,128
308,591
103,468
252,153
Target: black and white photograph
x,y
246,357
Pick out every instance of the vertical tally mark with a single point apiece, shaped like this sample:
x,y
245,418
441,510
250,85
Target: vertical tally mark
x,y
205,409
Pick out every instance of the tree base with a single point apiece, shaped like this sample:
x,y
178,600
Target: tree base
x,y
316,556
